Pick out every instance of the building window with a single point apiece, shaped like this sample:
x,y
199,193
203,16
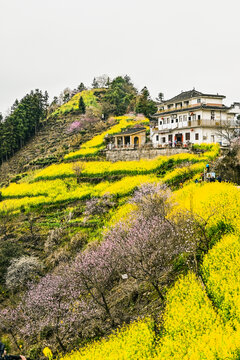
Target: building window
x,y
156,137
194,117
164,121
176,120
189,118
168,120
184,117
199,117
196,136
172,121
180,118
198,101
160,122
187,136
212,115
163,139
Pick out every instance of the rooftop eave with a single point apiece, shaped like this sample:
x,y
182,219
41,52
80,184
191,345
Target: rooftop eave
x,y
129,133
193,108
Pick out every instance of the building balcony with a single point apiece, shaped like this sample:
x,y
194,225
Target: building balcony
x,y
210,123
177,108
190,108
195,123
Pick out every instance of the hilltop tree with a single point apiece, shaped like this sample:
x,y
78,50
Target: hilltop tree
x,y
108,82
81,87
95,84
160,97
103,81
145,105
81,106
66,95
119,96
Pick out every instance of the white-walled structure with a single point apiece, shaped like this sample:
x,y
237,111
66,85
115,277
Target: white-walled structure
x,y
192,117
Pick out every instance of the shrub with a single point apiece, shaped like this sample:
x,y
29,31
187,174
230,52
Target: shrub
x,y
23,270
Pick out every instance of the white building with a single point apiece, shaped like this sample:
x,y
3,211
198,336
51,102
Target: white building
x,y
192,117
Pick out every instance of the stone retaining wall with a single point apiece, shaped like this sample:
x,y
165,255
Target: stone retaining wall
x,y
137,154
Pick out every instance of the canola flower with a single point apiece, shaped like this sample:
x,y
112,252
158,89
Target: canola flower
x,y
183,173
27,195
93,146
123,213
43,188
48,353
134,341
192,328
103,168
220,271
216,202
128,184
56,184
88,97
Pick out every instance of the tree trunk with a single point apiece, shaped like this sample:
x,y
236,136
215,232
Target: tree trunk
x,y
156,287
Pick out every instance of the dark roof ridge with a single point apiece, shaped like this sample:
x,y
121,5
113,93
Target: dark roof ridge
x,y
131,131
184,95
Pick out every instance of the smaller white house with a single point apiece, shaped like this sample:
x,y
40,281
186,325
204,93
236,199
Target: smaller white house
x,y
192,117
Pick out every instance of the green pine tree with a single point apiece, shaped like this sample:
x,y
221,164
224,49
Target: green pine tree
x,y
81,106
145,105
95,84
81,87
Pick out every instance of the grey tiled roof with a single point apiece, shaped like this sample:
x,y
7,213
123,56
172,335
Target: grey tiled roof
x,y
131,131
185,95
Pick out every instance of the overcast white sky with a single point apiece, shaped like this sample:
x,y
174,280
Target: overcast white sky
x,y
167,45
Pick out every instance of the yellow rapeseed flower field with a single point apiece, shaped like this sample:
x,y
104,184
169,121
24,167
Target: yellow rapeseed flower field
x,y
221,275
93,146
25,195
194,327
102,168
213,201
131,342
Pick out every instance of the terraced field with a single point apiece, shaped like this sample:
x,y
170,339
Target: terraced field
x,y
201,319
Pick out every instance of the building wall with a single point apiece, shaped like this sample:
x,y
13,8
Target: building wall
x,y
205,135
141,139
203,122
181,119
130,154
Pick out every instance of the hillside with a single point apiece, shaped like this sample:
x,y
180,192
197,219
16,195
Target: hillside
x,y
54,139
201,319
102,255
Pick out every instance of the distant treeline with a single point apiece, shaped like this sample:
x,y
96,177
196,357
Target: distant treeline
x,y
22,123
